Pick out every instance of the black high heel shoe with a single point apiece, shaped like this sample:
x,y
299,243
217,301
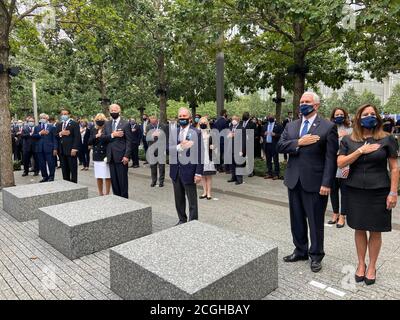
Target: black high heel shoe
x,y
369,282
339,226
360,278
202,197
334,221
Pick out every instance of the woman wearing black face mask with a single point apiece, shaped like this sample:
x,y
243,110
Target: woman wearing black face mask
x,y
371,191
101,167
341,117
207,151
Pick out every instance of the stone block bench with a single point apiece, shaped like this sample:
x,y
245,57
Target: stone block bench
x,y
83,227
194,261
23,202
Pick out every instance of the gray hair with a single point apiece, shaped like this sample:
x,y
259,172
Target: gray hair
x,y
316,97
185,109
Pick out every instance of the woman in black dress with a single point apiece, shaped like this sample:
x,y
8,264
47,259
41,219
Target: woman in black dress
x,y
371,191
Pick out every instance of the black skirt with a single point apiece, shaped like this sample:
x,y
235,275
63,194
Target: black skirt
x,y
367,210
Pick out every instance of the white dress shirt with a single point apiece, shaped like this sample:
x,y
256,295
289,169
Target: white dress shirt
x,y
310,123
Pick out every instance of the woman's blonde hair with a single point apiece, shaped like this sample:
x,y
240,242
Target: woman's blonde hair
x,y
204,119
99,117
377,132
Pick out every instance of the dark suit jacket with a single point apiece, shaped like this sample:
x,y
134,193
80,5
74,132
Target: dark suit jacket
x,y
67,143
314,165
47,143
86,138
28,143
137,133
278,130
118,148
186,171
99,145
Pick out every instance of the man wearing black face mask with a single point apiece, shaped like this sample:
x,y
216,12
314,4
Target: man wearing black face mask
x,y
271,133
246,125
184,172
312,145
118,135
143,127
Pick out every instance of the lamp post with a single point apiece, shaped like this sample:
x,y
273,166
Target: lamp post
x,y
220,64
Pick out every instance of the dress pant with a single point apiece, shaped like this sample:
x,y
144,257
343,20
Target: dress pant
x,y
119,179
271,154
181,192
84,156
309,206
234,175
135,154
69,167
27,160
154,173
145,144
339,185
46,160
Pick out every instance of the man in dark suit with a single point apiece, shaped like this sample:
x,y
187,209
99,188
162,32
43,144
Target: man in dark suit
x,y
247,126
137,135
118,135
237,150
143,127
155,129
186,169
18,140
69,142
28,147
221,124
46,147
271,134
312,145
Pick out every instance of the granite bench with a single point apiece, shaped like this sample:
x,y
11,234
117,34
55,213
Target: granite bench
x,y
194,261
83,227
23,202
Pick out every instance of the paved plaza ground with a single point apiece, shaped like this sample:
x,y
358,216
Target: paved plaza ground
x,y
31,269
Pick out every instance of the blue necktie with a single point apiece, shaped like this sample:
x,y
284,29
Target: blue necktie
x,y
269,137
114,125
305,129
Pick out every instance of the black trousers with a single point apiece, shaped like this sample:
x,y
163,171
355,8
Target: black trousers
x,y
46,160
181,192
154,173
236,177
339,184
69,167
119,179
272,155
27,159
307,206
84,156
145,144
135,154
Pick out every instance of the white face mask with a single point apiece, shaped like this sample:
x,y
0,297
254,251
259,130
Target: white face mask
x,y
234,122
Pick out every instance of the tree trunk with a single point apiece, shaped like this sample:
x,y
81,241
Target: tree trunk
x,y
103,91
278,90
193,106
299,81
162,88
6,164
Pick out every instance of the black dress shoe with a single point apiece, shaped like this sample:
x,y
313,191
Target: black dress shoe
x,y
209,198
237,183
251,175
25,174
202,197
316,266
153,185
43,180
231,180
179,223
36,174
161,185
294,258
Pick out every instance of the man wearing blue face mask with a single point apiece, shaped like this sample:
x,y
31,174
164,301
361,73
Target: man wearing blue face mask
x,y
28,147
312,145
69,138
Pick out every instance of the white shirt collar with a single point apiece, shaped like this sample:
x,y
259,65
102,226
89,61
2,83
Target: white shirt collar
x,y
310,120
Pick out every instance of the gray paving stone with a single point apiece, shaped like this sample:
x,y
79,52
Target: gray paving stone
x,y
87,226
194,261
23,202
